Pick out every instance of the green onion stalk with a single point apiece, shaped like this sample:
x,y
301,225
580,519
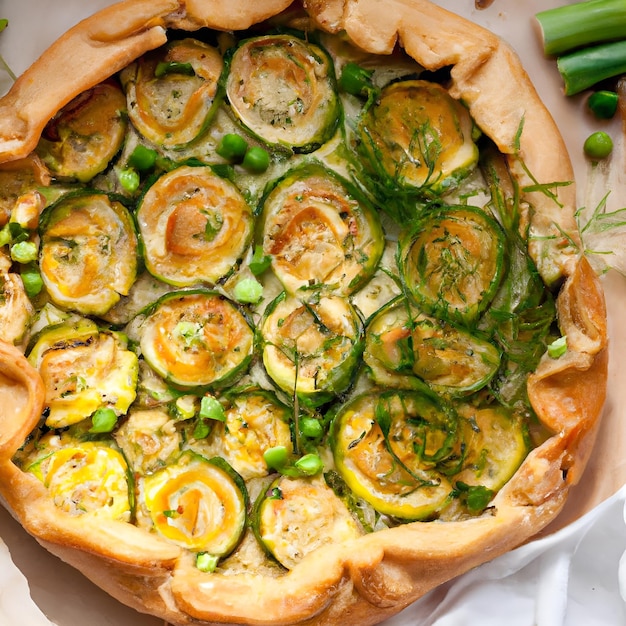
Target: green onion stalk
x,y
575,26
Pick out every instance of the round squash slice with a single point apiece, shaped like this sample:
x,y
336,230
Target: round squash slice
x,y
173,92
86,134
88,255
196,339
318,231
283,89
198,504
195,226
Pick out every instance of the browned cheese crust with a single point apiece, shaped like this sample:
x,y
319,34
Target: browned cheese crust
x,y
373,577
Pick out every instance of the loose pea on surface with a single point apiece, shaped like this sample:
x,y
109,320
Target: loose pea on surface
x,y
598,145
256,160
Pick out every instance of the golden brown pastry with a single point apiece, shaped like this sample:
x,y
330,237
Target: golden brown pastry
x,y
365,579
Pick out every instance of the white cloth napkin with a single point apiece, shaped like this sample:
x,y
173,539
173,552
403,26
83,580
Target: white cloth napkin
x,y
575,577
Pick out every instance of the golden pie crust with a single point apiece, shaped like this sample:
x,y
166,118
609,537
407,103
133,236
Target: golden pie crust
x,y
368,579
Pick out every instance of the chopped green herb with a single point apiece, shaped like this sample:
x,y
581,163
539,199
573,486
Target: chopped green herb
x,y
173,67
259,262
142,158
210,408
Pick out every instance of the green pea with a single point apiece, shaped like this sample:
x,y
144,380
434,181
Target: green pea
x,y
598,145
276,457
24,252
311,427
129,179
103,421
248,290
309,464
232,147
257,160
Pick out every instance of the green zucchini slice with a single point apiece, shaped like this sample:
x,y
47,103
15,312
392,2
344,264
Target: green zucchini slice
x,y
88,254
451,263
83,370
319,232
195,226
415,135
402,343
311,349
198,504
84,478
82,139
149,439
283,90
255,421
496,443
196,338
296,516
173,93
387,447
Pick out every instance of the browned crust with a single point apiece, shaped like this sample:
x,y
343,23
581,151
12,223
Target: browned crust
x,y
367,580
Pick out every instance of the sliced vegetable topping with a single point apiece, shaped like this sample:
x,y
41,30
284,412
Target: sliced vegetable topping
x,y
196,338
319,233
149,440
83,370
402,343
198,504
387,447
294,517
173,92
496,443
255,421
86,478
18,178
452,261
195,226
88,255
416,135
283,89
311,349
80,141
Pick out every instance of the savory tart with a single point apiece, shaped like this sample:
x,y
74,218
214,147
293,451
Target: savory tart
x,y
295,324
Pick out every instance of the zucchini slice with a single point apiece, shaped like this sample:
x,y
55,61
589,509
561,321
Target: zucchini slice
x,y
496,443
196,338
319,232
198,504
401,343
387,447
149,440
283,90
451,263
296,516
173,93
195,226
83,370
85,478
415,135
311,349
255,421
88,254
82,139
